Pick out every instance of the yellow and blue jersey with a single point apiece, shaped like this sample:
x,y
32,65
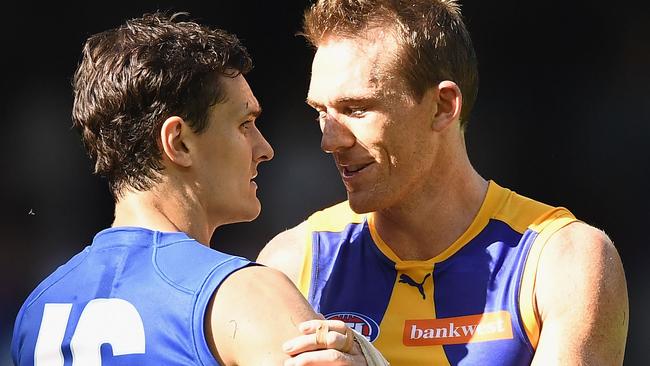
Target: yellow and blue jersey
x,y
472,304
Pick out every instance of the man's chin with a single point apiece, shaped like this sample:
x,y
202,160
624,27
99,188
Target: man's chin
x,y
253,212
247,214
360,204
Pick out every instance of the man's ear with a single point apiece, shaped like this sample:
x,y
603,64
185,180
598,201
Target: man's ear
x,y
173,145
449,102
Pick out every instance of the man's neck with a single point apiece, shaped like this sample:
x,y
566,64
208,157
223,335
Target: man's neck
x,y
162,210
423,227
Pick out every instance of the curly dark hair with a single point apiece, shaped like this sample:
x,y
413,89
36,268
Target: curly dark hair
x,y
434,41
132,78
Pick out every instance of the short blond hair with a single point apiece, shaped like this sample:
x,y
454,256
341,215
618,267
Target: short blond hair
x,y
434,41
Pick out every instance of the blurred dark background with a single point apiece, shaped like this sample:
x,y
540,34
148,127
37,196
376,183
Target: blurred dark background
x,y
563,115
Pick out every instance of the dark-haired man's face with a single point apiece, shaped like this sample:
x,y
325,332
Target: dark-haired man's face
x,y
229,151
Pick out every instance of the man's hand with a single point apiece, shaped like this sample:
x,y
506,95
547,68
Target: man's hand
x,y
324,342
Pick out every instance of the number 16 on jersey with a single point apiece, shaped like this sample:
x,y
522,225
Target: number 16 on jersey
x,y
112,321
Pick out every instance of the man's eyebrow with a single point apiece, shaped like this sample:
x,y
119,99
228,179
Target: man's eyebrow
x,y
346,100
356,99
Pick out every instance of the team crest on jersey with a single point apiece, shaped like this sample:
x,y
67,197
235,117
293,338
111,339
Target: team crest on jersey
x,y
362,324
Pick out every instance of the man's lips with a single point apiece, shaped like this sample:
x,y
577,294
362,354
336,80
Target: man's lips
x,y
350,170
252,181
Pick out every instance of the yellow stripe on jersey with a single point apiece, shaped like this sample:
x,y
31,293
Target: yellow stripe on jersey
x,y
519,211
304,279
335,219
406,303
521,214
545,226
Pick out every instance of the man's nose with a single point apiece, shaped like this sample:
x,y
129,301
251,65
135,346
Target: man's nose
x,y
264,151
336,135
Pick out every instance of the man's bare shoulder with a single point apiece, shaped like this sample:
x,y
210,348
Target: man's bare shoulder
x,y
582,299
286,250
255,301
583,246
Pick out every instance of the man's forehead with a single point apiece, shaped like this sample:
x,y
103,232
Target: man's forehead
x,y
373,54
242,97
346,70
239,100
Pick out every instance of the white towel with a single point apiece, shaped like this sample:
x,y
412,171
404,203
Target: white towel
x,y
373,357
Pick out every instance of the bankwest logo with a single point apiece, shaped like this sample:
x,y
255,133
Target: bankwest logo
x,y
462,329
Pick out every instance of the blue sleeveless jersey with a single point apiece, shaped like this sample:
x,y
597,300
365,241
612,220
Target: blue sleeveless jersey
x,y
472,304
133,297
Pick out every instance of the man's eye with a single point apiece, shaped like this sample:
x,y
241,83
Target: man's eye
x,y
321,115
356,112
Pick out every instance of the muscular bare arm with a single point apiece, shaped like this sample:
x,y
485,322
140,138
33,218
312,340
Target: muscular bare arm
x,y
285,252
581,295
252,314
